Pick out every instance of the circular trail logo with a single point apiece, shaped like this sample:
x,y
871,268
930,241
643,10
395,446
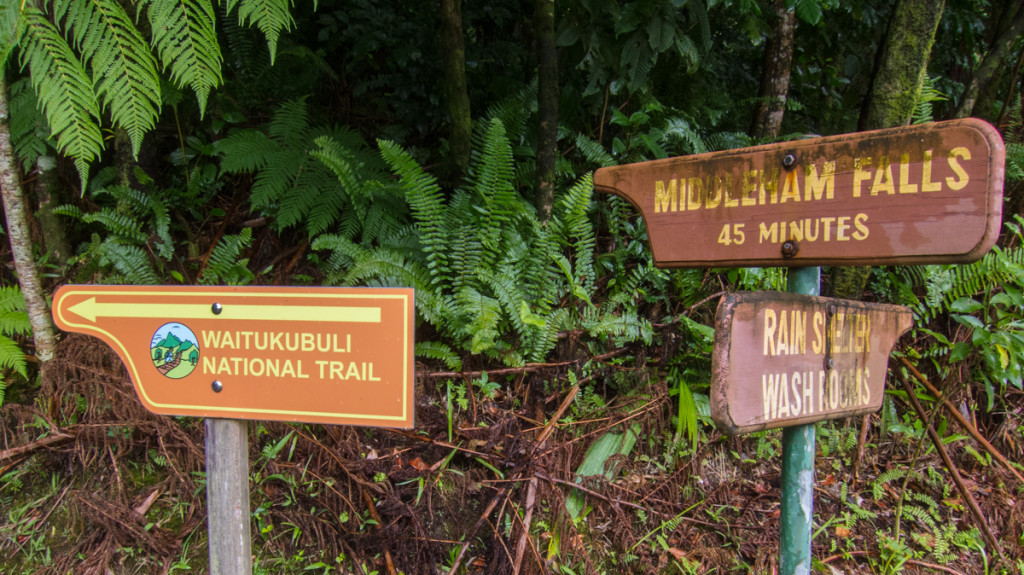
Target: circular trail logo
x,y
175,350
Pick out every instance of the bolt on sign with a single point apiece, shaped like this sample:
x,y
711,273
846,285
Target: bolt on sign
x,y
783,359
921,194
317,355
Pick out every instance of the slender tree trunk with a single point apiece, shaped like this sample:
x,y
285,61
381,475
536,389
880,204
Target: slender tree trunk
x,y
547,107
977,99
894,93
454,56
778,61
21,245
47,191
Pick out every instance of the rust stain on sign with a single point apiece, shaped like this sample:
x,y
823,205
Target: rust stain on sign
x,y
784,359
920,194
318,355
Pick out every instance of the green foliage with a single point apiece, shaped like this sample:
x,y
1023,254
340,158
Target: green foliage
x,y
482,264
226,265
82,55
305,174
135,243
64,89
13,322
984,297
123,69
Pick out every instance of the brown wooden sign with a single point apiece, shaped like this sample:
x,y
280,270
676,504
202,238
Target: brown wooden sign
x,y
784,359
922,194
319,355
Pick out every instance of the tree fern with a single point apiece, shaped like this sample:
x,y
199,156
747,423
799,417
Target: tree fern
x,y
185,39
65,91
123,68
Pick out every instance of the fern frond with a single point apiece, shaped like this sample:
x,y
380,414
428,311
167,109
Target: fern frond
x,y
438,350
123,68
427,204
270,16
65,92
11,357
28,128
290,122
246,151
13,317
571,222
185,39
496,197
226,265
594,152
129,261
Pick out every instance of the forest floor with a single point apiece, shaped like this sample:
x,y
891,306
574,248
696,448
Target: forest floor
x,y
92,483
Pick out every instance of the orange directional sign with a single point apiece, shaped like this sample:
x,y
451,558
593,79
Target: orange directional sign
x,y
319,355
783,359
920,194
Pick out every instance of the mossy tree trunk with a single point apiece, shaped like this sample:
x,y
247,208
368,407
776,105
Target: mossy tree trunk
x,y
778,60
895,90
547,106
21,245
454,54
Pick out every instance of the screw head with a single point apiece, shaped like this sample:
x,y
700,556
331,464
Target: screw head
x,y
789,249
217,386
788,161
216,308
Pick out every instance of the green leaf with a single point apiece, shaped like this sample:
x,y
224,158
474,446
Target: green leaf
x,y
660,34
960,351
809,11
965,305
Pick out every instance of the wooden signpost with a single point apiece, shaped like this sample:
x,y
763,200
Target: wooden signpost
x,y
318,355
784,359
921,194
228,353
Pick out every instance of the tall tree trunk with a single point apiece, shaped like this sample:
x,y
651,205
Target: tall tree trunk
x,y
895,90
21,245
778,60
977,99
454,55
547,106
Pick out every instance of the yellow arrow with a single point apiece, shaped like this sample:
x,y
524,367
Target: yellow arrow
x,y
91,309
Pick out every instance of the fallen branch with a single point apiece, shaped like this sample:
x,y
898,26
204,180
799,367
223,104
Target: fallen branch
x,y
963,422
46,442
972,505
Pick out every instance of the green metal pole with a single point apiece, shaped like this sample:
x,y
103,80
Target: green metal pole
x,y
797,514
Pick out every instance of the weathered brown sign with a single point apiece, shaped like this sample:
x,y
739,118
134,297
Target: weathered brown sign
x,y
922,194
784,359
319,355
